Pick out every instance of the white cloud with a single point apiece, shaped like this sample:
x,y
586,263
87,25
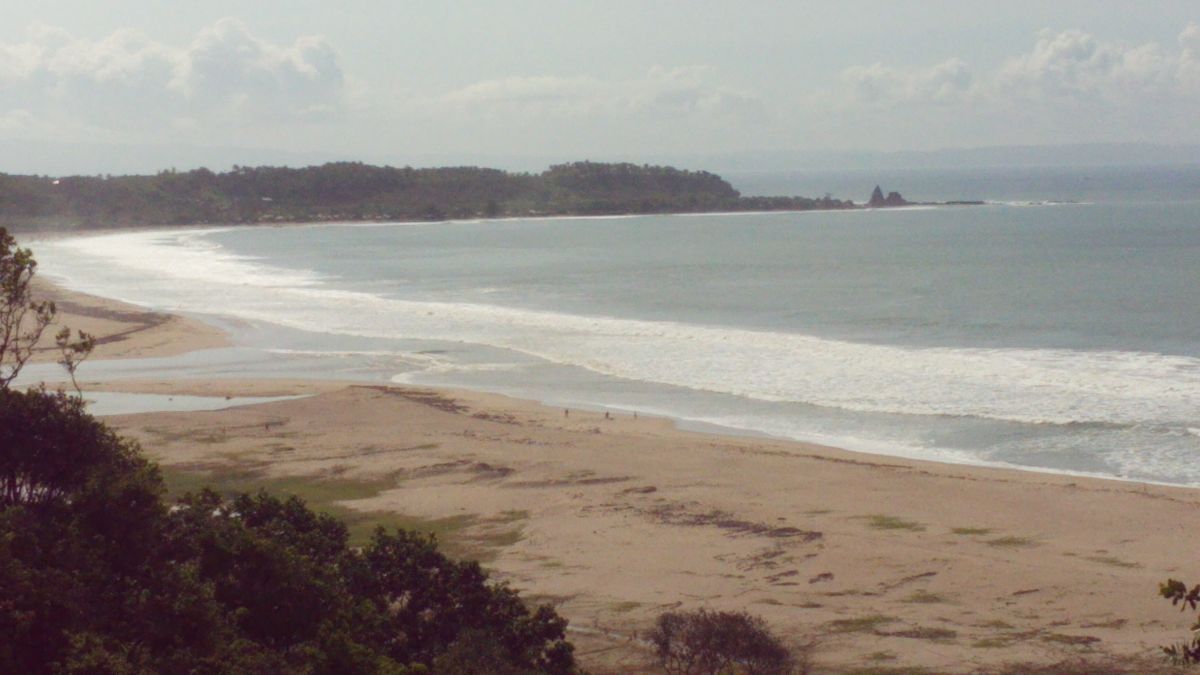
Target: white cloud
x,y
1065,67
227,68
127,81
1074,65
660,91
945,82
1189,60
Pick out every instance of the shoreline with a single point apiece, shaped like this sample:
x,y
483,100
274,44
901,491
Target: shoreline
x,y
185,334
616,519
122,330
63,231
915,450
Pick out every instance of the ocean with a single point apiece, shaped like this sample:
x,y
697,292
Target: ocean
x,y
1055,328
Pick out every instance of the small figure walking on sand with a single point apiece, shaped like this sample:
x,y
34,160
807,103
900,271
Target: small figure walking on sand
x,y
566,412
607,416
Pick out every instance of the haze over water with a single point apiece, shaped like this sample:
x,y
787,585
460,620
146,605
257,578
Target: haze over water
x,y
1050,336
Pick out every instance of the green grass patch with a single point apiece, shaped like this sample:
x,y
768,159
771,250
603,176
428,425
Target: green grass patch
x,y
1114,562
324,495
863,624
923,597
971,531
882,522
497,539
1074,640
313,490
1011,542
362,524
992,643
205,436
926,633
889,670
626,606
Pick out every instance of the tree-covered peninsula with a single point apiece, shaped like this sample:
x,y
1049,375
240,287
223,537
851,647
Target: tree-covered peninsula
x,y
355,191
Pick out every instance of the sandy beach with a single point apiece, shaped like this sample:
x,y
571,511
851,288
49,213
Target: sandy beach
x,y
121,330
614,519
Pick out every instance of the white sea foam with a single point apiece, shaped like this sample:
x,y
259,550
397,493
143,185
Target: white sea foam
x,y
1054,386
183,256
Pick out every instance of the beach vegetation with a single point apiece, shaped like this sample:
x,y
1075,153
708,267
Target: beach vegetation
x,y
1187,599
1094,665
925,633
889,670
993,642
703,642
923,597
862,624
1011,542
971,531
884,522
1112,561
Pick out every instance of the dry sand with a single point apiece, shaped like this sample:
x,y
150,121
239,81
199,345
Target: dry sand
x,y
892,562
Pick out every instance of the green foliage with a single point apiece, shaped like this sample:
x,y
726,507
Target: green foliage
x,y
1179,594
356,191
101,575
22,319
707,643
884,522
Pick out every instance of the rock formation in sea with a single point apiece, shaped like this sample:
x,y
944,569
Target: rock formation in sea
x,y
892,199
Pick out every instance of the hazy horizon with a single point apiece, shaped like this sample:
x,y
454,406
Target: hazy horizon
x,y
141,85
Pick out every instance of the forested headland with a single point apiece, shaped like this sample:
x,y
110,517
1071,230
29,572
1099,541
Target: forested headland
x,y
350,191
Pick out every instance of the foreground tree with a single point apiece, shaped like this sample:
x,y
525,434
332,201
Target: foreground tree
x,y
22,319
100,575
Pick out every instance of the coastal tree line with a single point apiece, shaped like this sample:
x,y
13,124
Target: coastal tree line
x,y
355,191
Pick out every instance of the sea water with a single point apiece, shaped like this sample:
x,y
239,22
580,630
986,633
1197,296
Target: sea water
x,y
1056,327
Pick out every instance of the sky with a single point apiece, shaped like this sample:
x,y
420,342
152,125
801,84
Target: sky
x,y
528,82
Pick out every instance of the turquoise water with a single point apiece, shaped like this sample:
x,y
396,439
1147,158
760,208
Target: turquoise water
x,y
1052,336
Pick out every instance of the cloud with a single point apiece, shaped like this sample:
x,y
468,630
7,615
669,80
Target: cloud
x,y
128,81
660,91
945,82
1070,66
227,68
1189,60
1074,65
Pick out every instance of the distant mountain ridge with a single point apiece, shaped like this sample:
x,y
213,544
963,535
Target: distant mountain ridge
x,y
74,158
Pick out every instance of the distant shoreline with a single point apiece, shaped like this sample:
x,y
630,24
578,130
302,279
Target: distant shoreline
x,y
53,231
355,192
